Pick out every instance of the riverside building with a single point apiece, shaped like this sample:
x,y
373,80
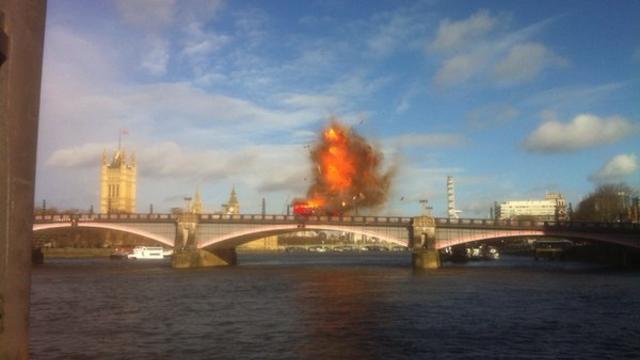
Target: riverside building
x,y
551,208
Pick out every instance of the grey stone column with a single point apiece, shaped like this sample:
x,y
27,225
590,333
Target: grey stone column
x,y
21,46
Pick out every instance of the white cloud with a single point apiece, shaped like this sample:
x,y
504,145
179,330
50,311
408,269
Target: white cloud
x,y
166,24
426,140
404,103
251,25
157,57
158,15
460,68
491,115
525,61
454,35
183,133
616,168
199,43
326,102
478,48
147,14
577,95
296,181
585,130
209,78
394,32
69,56
169,160
84,156
636,54
356,86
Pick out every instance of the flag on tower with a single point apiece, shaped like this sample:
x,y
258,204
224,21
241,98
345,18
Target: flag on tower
x,y
122,131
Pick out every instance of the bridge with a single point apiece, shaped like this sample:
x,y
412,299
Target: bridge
x,y
220,234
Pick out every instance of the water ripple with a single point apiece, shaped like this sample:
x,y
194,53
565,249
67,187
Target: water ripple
x,y
310,306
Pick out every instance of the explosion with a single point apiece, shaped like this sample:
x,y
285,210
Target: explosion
x,y
347,173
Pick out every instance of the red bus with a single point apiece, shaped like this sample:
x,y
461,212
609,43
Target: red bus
x,y
303,207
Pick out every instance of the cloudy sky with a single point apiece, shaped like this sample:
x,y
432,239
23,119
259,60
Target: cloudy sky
x,y
512,98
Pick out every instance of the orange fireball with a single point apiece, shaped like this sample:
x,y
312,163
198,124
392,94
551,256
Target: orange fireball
x,y
347,172
336,163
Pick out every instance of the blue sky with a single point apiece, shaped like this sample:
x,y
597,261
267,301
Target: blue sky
x,y
512,98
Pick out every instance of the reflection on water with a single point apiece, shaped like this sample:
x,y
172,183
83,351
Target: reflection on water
x,y
347,306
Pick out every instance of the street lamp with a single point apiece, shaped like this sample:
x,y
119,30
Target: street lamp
x,y
426,209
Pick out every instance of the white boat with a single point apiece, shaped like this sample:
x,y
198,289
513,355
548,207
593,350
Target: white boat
x,y
147,252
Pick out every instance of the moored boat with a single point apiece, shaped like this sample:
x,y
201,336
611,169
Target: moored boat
x,y
147,252
120,253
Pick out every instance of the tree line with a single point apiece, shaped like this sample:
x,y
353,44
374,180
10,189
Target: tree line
x,y
609,203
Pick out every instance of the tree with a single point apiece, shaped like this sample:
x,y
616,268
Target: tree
x,y
608,203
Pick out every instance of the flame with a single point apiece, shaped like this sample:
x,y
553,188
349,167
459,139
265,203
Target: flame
x,y
331,135
337,163
346,172
316,202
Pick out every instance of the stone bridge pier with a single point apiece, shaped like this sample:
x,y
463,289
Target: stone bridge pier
x,y
422,242
186,253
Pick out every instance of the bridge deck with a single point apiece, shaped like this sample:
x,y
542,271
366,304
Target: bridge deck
x,y
221,230
393,221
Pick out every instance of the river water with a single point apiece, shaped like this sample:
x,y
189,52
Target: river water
x,y
333,306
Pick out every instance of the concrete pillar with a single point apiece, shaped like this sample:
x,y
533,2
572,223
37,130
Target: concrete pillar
x,y
422,237
21,45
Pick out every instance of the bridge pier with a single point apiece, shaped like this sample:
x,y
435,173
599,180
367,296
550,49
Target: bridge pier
x,y
422,237
425,259
186,253
197,258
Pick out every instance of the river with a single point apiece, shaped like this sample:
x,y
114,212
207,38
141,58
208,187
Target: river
x,y
333,306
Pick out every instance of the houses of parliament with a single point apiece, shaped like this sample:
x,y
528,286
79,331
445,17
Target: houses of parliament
x,y
118,183
118,176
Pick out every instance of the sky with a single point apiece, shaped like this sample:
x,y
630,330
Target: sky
x,y
512,98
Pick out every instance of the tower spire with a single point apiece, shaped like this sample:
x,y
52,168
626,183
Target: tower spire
x,y
196,208
233,199
233,206
133,158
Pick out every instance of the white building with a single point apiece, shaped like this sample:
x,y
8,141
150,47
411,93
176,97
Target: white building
x,y
551,208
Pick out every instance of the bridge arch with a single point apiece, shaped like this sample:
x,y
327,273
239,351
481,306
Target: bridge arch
x,y
596,237
126,229
243,236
